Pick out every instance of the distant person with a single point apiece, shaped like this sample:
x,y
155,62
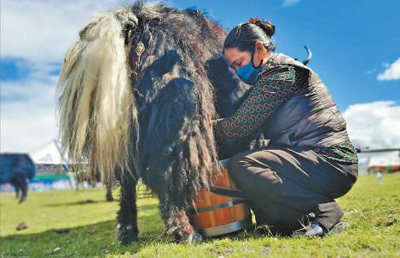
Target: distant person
x,y
309,160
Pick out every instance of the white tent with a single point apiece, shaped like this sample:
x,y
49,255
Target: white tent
x,y
51,169
49,154
384,161
385,164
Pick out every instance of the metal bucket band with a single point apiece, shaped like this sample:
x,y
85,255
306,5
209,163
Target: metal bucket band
x,y
228,192
218,206
226,229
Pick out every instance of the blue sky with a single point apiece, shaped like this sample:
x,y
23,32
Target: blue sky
x,y
351,41
355,46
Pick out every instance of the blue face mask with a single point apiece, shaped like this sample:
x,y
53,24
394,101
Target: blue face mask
x,y
248,73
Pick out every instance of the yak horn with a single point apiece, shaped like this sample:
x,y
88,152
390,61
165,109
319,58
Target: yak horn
x,y
309,55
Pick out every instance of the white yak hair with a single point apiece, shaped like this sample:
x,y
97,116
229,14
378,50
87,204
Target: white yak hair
x,y
96,102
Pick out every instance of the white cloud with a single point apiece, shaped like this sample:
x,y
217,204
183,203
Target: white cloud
x,y
374,125
41,31
372,71
28,116
290,2
392,72
37,34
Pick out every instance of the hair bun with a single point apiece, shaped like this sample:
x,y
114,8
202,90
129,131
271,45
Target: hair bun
x,y
266,26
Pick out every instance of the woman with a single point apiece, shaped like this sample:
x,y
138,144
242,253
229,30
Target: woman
x,y
309,160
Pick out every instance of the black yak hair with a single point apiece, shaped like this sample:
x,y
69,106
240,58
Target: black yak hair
x,y
17,169
175,100
137,96
157,124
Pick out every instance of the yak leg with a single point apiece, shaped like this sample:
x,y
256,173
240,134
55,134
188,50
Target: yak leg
x,y
109,195
177,223
20,184
24,190
127,215
17,189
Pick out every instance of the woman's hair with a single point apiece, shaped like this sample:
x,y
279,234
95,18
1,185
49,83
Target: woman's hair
x,y
245,35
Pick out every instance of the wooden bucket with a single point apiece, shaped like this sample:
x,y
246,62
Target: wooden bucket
x,y
215,214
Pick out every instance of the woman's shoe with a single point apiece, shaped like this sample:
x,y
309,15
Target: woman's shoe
x,y
317,230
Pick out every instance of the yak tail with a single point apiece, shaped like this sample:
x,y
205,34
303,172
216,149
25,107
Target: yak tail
x,y
97,108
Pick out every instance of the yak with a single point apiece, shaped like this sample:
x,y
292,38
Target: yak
x,y
17,169
138,94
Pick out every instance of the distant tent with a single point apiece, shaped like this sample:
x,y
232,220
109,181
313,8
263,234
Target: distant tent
x,y
384,164
51,169
49,154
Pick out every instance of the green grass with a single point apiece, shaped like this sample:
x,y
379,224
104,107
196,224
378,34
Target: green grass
x,y
372,219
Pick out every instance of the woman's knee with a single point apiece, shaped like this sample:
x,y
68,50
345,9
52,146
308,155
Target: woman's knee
x,y
247,167
235,161
236,167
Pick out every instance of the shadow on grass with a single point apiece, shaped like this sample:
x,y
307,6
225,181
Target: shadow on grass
x,y
88,201
96,239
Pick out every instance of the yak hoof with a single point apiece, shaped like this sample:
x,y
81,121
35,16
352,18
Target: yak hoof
x,y
127,234
193,238
196,238
109,198
23,199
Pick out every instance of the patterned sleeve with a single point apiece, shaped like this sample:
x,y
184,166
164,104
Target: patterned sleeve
x,y
273,87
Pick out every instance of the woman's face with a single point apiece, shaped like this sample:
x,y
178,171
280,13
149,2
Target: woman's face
x,y
236,58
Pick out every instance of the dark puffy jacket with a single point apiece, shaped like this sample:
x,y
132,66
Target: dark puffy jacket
x,y
310,118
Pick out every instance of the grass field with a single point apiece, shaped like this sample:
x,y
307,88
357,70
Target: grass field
x,y
82,223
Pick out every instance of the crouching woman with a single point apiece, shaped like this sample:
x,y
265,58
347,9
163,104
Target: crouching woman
x,y
309,160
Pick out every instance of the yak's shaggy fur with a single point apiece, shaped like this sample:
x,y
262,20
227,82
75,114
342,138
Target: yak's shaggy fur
x,y
136,101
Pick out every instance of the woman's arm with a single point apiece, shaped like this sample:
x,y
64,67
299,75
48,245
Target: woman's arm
x,y
273,87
